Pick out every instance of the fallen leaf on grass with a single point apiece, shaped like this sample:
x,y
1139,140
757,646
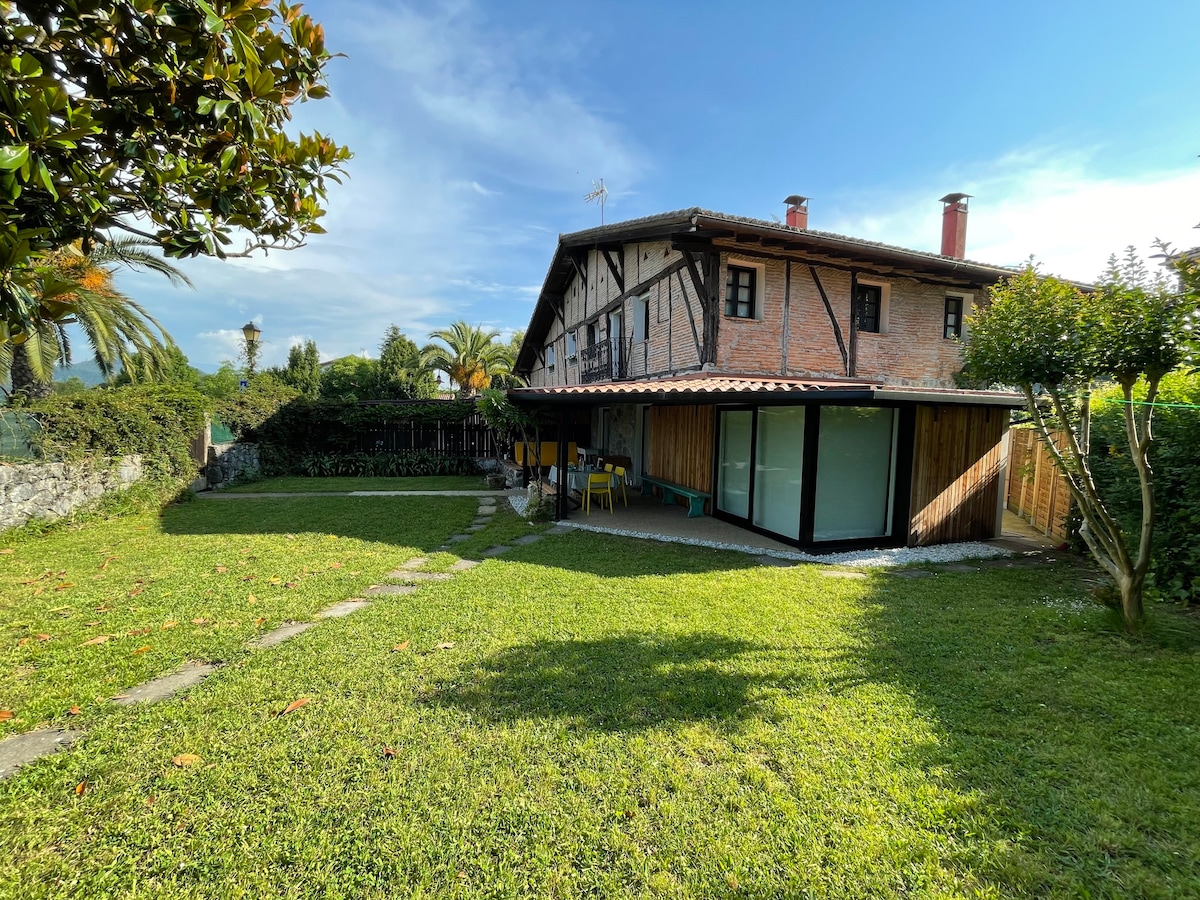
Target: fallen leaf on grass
x,y
23,641
104,608
137,632
331,565
74,711
98,639
446,645
293,706
80,788
258,621
292,584
121,697
106,562
251,599
64,585
276,580
135,592
5,715
183,760
141,650
91,624
403,645
8,550
166,625
200,621
250,578
43,637
222,569
389,753
44,575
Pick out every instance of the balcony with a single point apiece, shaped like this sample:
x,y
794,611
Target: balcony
x,y
606,360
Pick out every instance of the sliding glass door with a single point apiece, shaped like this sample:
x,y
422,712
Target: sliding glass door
x,y
778,467
856,472
733,476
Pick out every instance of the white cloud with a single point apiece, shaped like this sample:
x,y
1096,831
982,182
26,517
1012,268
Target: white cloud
x,y
1046,203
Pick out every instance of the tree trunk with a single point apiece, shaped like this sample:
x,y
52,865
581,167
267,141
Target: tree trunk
x,y
1132,588
23,381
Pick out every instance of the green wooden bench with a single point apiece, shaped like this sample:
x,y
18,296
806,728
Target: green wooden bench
x,y
670,490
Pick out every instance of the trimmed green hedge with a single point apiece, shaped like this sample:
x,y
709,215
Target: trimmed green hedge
x,y
157,421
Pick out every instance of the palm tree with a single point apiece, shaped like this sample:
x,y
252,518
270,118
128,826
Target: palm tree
x,y
77,288
470,356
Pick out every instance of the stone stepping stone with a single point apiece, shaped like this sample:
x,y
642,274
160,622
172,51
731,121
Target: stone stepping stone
x,y
560,529
776,561
463,565
912,573
417,577
388,590
354,604
835,573
474,528
166,686
961,568
21,749
496,551
279,635
457,538
486,511
528,539
415,563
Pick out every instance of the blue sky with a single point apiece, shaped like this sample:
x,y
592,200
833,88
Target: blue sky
x,y
478,127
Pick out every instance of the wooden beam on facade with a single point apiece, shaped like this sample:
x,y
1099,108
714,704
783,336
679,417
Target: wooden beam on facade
x,y
837,329
852,355
691,318
618,271
580,269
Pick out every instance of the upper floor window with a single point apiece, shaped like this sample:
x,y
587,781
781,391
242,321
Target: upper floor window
x,y
641,318
740,291
590,331
550,357
868,306
952,320
571,349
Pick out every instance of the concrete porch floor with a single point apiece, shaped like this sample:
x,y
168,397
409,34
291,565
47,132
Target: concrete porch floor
x,y
649,515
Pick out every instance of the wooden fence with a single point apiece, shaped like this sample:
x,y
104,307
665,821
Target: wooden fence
x,y
1037,490
466,438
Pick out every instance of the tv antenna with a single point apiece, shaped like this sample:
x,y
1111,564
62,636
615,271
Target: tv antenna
x,y
598,194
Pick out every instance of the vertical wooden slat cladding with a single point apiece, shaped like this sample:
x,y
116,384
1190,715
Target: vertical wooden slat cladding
x,y
956,473
681,445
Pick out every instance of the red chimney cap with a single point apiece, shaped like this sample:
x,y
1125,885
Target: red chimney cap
x,y
795,200
954,198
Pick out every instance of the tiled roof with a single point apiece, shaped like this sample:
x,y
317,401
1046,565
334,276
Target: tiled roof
x,y
711,386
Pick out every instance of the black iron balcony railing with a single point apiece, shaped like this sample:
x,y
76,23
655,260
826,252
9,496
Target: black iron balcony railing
x,y
606,360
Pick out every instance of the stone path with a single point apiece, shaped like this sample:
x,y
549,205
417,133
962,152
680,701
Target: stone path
x,y
249,495
22,749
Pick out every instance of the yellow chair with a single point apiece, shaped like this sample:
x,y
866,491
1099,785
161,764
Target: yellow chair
x,y
601,486
619,471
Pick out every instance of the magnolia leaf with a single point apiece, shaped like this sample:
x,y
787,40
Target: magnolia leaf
x,y
98,639
5,715
80,788
141,650
166,625
43,637
403,645
183,760
389,753
74,711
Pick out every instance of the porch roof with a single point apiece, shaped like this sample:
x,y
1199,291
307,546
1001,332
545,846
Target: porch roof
x,y
706,387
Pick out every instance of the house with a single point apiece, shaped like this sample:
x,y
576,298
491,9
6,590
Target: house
x,y
800,382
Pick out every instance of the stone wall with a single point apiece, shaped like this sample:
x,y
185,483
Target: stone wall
x,y
231,463
51,490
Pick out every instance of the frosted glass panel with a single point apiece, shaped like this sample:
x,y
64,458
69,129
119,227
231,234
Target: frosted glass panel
x,y
854,473
777,463
733,481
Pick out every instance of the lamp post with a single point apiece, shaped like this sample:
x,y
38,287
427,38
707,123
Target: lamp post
x,y
252,333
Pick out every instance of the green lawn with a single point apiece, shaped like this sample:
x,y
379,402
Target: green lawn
x,y
195,583
625,719
414,483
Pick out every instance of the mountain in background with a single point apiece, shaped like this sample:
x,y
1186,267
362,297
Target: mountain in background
x,y
87,372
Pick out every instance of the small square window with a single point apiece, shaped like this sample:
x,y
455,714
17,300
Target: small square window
x,y
550,357
740,289
952,321
571,350
868,301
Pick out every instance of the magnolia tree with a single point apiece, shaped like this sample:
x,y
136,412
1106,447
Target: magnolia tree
x,y
165,120
1052,342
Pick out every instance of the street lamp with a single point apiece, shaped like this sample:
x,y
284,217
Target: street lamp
x,y
252,333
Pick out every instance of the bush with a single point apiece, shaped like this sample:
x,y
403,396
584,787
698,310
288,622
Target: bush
x,y
244,412
157,421
1175,456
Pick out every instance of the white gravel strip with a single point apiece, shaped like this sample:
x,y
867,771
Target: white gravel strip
x,y
519,503
896,556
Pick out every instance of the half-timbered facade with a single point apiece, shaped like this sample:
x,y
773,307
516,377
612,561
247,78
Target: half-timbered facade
x,y
804,380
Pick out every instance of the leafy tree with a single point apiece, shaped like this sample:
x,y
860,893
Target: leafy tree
x,y
510,379
468,355
174,368
303,370
73,385
162,119
221,384
116,328
350,378
1053,342
402,373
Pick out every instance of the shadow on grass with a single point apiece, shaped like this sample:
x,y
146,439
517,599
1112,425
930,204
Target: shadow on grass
x,y
626,682
419,522
1071,733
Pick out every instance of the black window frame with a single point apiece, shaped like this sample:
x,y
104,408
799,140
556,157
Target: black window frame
x,y
868,308
732,303
953,332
